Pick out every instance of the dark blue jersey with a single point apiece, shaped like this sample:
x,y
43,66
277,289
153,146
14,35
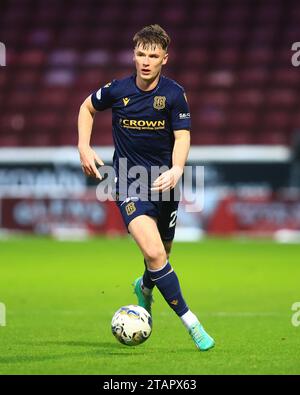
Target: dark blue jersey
x,y
143,122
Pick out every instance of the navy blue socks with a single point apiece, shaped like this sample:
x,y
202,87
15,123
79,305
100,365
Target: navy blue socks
x,y
147,282
167,282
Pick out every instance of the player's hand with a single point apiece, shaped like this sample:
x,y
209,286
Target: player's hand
x,y
167,180
88,159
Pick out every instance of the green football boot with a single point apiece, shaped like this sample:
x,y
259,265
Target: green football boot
x,y
202,339
143,300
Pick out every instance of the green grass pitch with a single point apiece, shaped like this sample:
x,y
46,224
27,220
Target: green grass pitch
x,y
60,298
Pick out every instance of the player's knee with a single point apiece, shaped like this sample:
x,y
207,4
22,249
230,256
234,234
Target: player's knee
x,y
155,258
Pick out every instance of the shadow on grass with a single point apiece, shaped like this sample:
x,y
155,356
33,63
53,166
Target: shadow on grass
x,y
75,343
106,346
93,349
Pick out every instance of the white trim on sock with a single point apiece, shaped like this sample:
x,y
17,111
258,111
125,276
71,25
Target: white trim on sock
x,y
157,270
154,280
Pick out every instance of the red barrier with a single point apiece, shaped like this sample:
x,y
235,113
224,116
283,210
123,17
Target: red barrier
x,y
254,215
43,215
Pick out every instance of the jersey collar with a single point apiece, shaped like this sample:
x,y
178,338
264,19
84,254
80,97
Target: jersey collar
x,y
141,90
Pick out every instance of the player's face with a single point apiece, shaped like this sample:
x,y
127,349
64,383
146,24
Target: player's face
x,y
149,61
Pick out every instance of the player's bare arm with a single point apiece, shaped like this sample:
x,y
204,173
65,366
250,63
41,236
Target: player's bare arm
x,y
169,179
88,156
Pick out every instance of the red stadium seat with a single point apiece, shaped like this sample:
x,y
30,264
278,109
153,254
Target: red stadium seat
x,y
65,58
220,78
190,80
42,121
275,137
227,57
284,76
233,60
3,79
20,100
102,130
12,123
32,58
195,57
39,139
253,76
281,98
248,97
278,120
198,35
282,56
10,140
236,15
239,137
240,119
261,56
67,137
207,137
262,35
214,98
25,78
52,98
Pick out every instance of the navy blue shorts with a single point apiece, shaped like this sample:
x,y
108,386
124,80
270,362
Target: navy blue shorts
x,y
164,211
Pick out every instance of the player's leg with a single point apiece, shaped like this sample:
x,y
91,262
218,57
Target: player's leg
x,y
146,283
149,238
130,211
144,231
166,225
146,234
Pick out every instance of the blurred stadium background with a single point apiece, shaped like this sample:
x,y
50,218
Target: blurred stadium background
x,y
234,60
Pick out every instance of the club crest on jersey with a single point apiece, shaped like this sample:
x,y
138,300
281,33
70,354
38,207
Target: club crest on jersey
x,y
159,102
130,208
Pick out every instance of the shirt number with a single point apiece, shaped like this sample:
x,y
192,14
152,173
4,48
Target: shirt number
x,y
173,219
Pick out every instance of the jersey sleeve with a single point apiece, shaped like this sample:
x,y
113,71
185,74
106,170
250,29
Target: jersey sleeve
x,y
103,98
180,113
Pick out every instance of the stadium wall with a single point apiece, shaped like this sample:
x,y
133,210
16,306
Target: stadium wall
x,y
246,191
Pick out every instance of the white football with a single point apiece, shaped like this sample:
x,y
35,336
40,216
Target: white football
x,y
131,325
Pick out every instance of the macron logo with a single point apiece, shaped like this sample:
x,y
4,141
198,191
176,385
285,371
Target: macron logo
x,y
126,101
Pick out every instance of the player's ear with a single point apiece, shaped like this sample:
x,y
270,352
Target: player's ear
x,y
165,59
